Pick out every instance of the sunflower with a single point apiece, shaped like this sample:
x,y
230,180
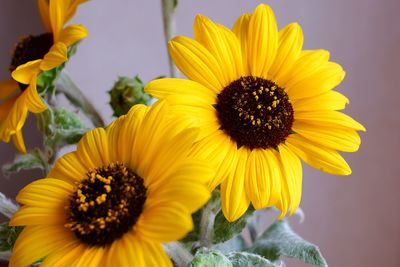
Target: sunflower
x,y
32,55
262,104
114,200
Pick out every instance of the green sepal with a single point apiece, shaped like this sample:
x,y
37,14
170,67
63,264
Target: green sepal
x,y
126,93
280,240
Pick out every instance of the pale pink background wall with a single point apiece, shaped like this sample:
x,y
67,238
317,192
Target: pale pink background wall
x,y
354,220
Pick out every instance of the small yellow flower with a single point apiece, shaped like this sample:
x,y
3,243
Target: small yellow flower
x,y
262,104
32,55
114,200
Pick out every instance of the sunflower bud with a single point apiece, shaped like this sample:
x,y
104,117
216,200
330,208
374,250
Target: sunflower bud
x,y
126,93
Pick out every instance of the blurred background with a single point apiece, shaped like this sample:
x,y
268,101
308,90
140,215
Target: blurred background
x,y
352,219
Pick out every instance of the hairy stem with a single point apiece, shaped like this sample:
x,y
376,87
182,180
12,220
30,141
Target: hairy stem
x,y
207,225
71,91
168,7
178,253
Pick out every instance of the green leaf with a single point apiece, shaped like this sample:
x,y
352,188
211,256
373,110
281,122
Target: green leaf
x,y
29,161
280,240
8,236
235,244
245,259
7,206
210,258
224,230
68,126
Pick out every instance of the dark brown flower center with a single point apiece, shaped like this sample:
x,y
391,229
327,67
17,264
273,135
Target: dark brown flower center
x,y
255,112
30,48
106,204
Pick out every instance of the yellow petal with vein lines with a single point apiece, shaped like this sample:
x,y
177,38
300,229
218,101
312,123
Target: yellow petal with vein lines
x,y
69,168
272,164
45,193
175,218
55,57
262,41
292,176
92,149
72,8
343,139
25,72
223,45
329,119
162,88
58,10
196,62
309,62
317,156
234,200
7,88
32,99
126,252
326,78
257,180
154,255
44,14
90,257
241,29
330,100
290,44
64,256
36,242
18,141
72,34
32,215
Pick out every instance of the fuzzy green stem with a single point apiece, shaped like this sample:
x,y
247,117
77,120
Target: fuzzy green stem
x,y
178,253
71,91
168,8
207,225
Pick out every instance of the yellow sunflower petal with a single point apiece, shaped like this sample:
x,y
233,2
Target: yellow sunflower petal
x,y
44,14
70,168
290,44
196,62
17,116
329,119
18,141
127,252
272,164
72,8
309,62
223,45
154,255
72,34
175,218
262,41
58,10
330,100
55,57
292,175
47,192
241,29
162,88
342,139
33,101
317,156
234,200
222,154
28,215
92,149
90,257
326,78
25,72
257,181
64,256
36,242
7,88
184,185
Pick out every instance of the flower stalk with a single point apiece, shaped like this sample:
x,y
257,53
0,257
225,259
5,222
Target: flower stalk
x,y
168,8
